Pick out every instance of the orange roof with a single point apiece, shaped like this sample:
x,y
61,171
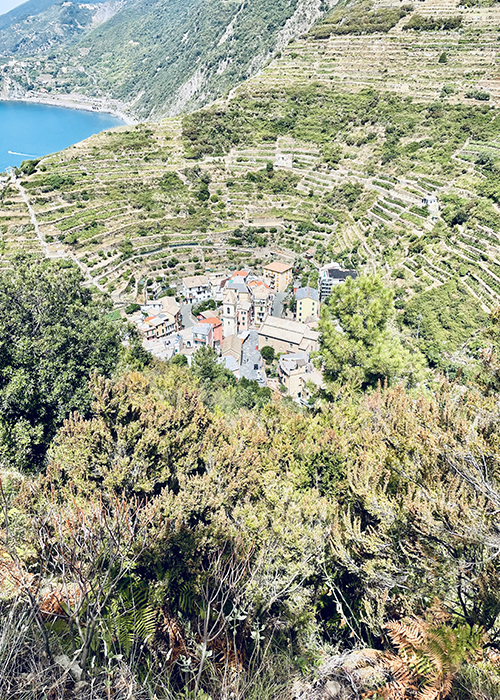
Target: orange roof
x,y
278,267
213,320
258,283
240,273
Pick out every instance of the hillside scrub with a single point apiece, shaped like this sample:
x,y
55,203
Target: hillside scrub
x,y
429,24
300,112
360,18
192,536
54,336
220,544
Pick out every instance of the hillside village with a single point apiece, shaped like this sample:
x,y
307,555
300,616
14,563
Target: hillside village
x,y
246,320
250,355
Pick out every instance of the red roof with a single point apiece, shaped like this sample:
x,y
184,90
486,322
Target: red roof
x,y
258,283
213,320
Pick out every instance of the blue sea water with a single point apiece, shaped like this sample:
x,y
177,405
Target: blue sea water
x,y
30,130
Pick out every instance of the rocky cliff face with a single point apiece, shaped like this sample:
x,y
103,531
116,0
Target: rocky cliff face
x,y
205,81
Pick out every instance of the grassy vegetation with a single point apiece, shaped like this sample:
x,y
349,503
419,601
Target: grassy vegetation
x,y
360,18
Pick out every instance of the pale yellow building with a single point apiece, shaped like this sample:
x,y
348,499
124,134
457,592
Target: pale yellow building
x,y
278,276
295,372
307,304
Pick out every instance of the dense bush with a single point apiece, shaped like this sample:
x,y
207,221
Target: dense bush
x,y
428,24
55,336
360,18
478,95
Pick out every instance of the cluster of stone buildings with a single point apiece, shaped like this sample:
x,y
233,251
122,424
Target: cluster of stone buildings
x,y
243,323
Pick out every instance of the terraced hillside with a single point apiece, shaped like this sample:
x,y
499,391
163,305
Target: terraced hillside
x,y
332,148
17,232
415,63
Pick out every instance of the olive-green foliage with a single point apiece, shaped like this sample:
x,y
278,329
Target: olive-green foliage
x,y
345,195
270,180
158,437
360,18
53,335
267,353
357,345
319,114
307,528
420,23
28,167
132,308
47,183
478,95
457,210
209,304
213,376
131,140
444,319
171,181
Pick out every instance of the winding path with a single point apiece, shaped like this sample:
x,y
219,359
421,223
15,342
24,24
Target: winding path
x,y
54,254
39,234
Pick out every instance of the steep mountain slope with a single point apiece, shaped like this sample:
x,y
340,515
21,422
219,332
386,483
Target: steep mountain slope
x,y
31,8
332,149
39,26
156,57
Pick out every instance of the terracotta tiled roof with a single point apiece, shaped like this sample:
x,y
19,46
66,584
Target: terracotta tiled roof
x,y
213,320
278,267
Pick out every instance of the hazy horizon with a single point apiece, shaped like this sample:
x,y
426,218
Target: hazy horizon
x,y
6,5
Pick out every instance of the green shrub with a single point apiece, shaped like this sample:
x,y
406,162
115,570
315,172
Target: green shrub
x,y
428,24
132,308
361,18
477,95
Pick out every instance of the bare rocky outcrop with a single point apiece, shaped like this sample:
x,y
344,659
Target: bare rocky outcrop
x,y
196,89
308,12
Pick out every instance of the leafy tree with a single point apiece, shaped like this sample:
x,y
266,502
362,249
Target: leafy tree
x,y
132,308
357,345
207,369
53,335
443,319
267,353
346,194
171,181
207,305
249,394
28,167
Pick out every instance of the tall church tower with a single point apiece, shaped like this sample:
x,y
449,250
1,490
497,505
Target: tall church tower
x,y
229,319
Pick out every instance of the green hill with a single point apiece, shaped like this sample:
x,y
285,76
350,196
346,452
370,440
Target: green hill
x,y
155,57
39,26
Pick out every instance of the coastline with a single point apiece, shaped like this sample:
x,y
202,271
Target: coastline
x,y
74,101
